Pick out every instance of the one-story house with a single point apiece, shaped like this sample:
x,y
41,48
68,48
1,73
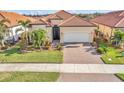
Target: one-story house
x,y
108,22
62,26
67,28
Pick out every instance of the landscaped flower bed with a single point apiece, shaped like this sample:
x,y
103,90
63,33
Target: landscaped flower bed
x,y
113,56
111,53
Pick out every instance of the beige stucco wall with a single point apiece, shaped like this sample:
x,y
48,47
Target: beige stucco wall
x,y
122,29
34,27
50,34
88,30
56,22
106,30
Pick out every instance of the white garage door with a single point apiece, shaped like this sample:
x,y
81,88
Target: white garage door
x,y
76,37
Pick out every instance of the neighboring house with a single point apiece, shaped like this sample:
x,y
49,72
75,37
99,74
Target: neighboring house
x,y
108,22
67,28
14,28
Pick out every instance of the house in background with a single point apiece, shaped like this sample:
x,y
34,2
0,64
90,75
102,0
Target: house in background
x,y
108,22
66,28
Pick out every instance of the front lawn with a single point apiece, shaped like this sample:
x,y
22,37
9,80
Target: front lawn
x,y
113,56
120,75
14,55
28,76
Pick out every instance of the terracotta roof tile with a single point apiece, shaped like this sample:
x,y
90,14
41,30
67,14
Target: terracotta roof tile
x,y
76,21
112,19
58,15
63,14
39,21
54,16
14,18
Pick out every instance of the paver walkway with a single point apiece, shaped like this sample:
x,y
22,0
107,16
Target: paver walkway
x,y
63,68
81,54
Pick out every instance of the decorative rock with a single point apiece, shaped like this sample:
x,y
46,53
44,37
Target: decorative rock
x,y
110,59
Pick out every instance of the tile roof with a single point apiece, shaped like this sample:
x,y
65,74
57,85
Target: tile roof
x,y
54,16
39,21
58,15
112,19
76,21
63,14
14,18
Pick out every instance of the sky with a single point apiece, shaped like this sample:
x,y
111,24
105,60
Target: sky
x,y
42,12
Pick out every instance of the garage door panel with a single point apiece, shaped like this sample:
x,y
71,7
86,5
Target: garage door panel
x,y
76,37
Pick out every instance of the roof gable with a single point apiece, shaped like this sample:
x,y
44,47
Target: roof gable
x,y
63,14
75,21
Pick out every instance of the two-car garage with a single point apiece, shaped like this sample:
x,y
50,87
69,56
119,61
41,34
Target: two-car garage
x,y
76,34
76,37
76,30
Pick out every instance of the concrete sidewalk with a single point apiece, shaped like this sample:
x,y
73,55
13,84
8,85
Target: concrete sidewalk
x,y
63,68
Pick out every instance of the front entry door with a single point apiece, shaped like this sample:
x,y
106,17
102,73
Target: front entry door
x,y
56,33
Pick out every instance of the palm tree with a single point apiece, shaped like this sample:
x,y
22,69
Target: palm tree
x,y
25,25
38,36
3,31
118,36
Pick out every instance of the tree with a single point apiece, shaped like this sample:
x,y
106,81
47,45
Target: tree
x,y
22,42
118,37
39,37
25,25
3,31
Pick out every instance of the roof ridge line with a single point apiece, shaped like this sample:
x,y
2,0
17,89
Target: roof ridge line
x,y
64,11
55,15
67,20
3,16
119,22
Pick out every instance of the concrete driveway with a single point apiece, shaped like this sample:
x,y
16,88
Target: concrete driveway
x,y
81,54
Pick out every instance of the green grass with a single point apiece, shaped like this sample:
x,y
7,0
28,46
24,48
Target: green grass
x,y
28,76
120,76
114,55
14,55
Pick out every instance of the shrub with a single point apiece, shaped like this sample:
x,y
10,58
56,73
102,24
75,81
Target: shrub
x,y
59,47
47,44
100,50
